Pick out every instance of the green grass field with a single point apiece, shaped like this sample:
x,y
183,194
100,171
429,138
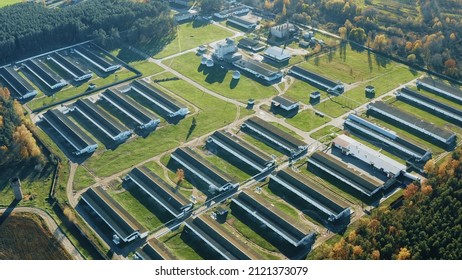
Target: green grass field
x,y
249,233
191,35
178,247
280,204
262,146
35,185
326,134
220,80
336,106
328,185
307,120
214,114
82,179
4,3
147,68
383,83
156,168
287,130
136,209
348,65
300,91
234,172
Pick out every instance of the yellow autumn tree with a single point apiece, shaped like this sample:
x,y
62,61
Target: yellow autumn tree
x,y
410,190
179,175
352,236
357,251
404,254
340,250
18,109
5,93
375,255
24,140
427,189
429,167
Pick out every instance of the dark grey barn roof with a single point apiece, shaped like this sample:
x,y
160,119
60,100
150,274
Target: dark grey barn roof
x,y
112,213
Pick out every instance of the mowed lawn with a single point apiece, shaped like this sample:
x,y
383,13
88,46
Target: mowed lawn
x,y
348,65
307,120
326,134
177,244
300,91
220,80
135,207
191,35
214,114
384,83
4,3
82,179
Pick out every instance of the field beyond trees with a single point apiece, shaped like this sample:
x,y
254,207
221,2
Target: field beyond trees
x,y
25,237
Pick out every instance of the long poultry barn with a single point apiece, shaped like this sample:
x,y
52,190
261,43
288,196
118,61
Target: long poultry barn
x,y
277,221
407,121
277,138
140,116
22,88
153,250
327,204
44,74
431,105
344,173
317,80
70,67
170,107
106,123
197,167
390,140
125,227
74,136
220,240
96,60
242,150
441,89
156,188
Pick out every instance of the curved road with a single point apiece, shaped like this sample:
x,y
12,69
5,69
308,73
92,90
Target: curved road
x,y
53,228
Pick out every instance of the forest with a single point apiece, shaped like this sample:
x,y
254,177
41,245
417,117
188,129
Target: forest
x,y
426,227
423,32
17,144
29,28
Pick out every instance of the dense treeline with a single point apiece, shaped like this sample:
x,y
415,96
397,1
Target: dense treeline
x,y
16,141
425,32
27,28
427,226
